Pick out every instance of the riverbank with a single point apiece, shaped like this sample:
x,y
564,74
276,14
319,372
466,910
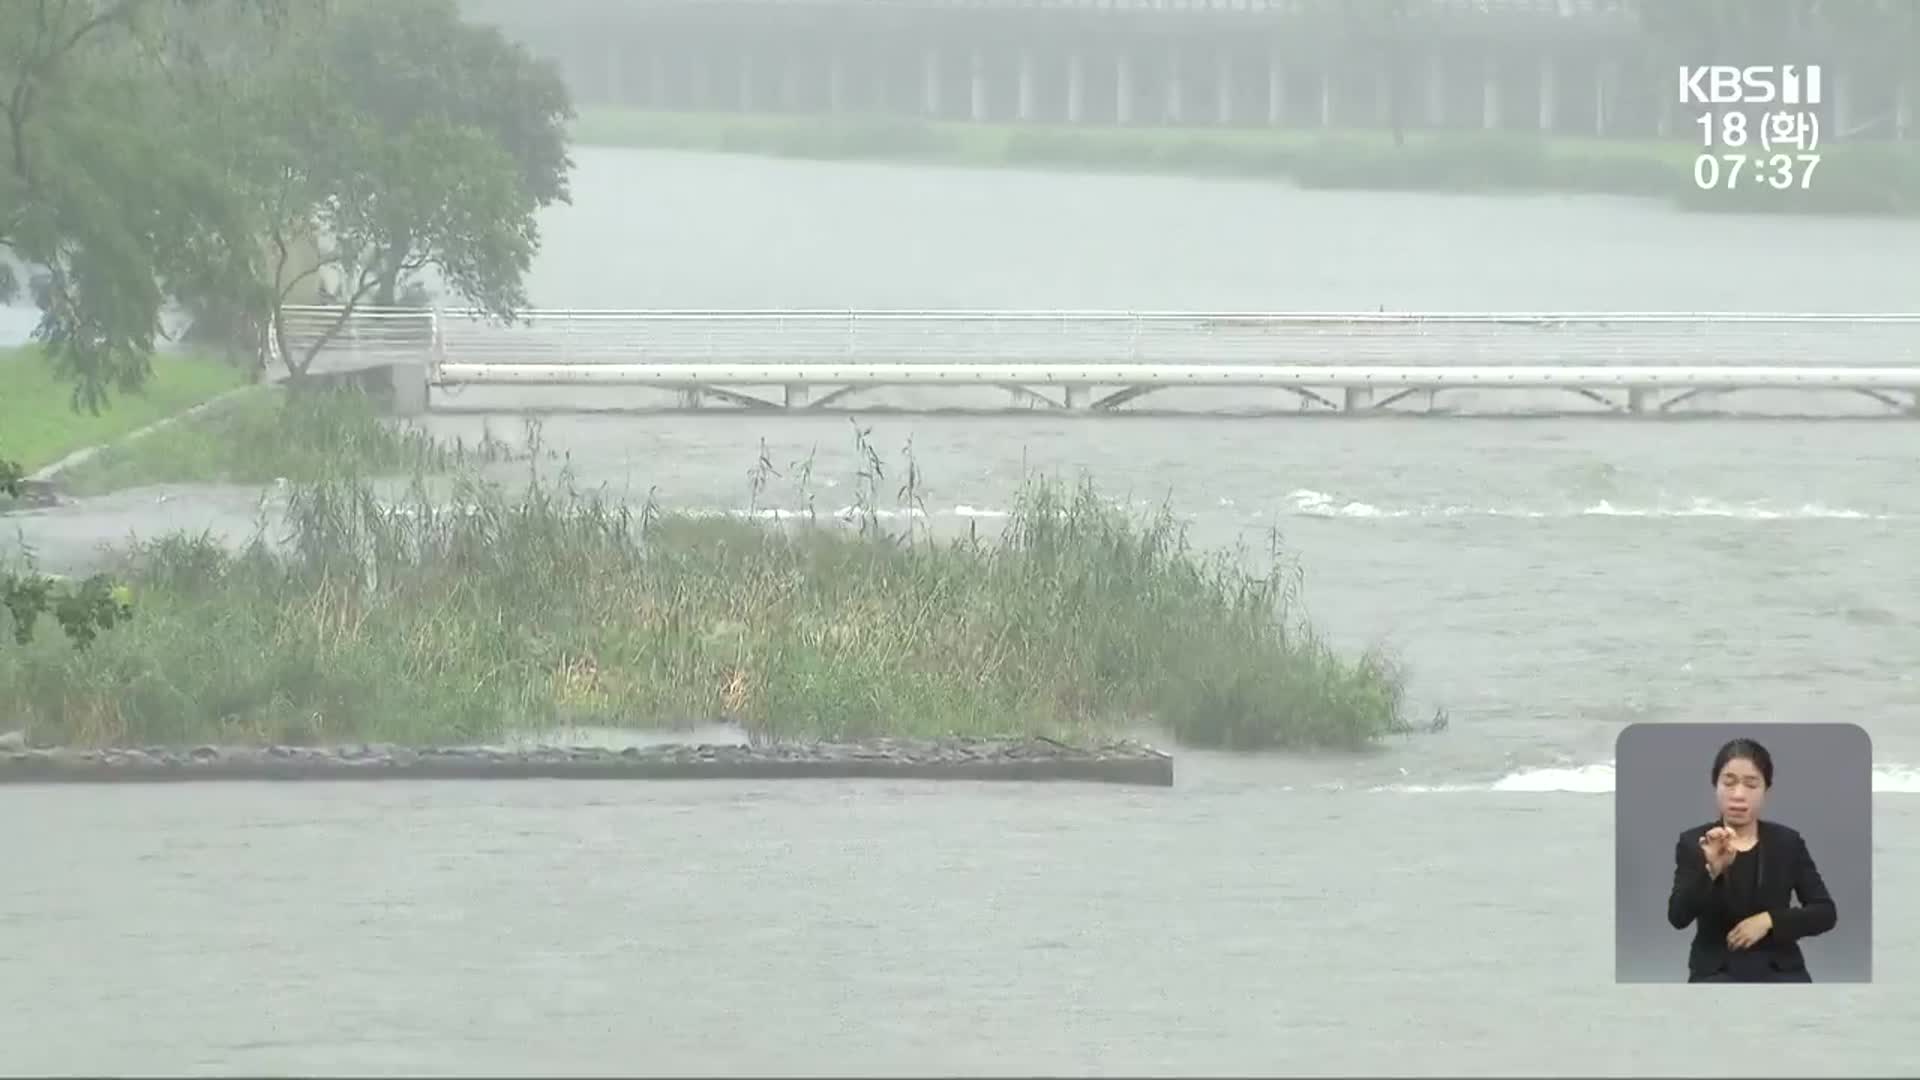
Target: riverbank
x,y
890,759
464,612
1859,178
268,434
39,425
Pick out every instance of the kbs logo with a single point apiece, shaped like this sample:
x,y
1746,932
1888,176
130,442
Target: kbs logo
x,y
1726,84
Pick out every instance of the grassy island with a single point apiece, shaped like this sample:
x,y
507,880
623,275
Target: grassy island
x,y
464,610
1853,178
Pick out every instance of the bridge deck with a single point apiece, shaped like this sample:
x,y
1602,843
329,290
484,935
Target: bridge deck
x,y
665,337
725,352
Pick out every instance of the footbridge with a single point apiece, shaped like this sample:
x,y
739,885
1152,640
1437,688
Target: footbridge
x,y
1105,362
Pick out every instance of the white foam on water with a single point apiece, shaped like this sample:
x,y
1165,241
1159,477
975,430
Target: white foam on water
x,y
781,513
1320,504
1598,779
1310,503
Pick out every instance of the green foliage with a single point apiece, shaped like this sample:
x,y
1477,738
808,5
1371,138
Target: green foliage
x,y
223,153
110,189
38,425
268,434
403,62
1856,177
409,140
445,619
82,610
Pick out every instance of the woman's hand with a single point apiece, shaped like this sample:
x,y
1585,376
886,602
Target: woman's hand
x,y
1749,931
1717,846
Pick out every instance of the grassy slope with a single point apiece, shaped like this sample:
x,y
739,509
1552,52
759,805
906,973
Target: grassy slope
x,y
256,439
38,424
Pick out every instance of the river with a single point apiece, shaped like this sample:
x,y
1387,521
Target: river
x,y
1441,907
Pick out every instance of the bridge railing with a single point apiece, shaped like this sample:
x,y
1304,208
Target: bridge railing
x,y
1347,339
1566,9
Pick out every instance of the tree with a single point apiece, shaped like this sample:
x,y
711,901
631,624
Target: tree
x,y
404,141
403,62
224,154
221,153
109,185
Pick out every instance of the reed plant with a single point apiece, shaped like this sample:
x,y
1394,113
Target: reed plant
x,y
467,609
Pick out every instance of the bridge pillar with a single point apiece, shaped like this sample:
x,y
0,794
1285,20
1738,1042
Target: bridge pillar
x,y
1437,87
1903,110
1355,399
1223,89
1076,397
1549,94
789,85
837,83
1123,89
930,83
796,395
978,85
409,381
616,74
691,398
701,90
1326,98
1638,398
1490,97
657,79
1602,90
1176,89
1076,88
1026,93
1276,91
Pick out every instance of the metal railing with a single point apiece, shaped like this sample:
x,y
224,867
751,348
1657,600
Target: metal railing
x,y
1642,339
1563,9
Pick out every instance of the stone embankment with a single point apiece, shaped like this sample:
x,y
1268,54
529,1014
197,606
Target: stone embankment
x,y
947,759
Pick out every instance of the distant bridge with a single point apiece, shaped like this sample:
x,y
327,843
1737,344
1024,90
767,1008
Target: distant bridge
x,y
1101,362
1569,67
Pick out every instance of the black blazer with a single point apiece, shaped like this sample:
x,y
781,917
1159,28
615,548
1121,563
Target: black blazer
x,y
1786,868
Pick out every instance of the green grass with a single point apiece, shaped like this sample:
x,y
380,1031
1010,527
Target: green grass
x,y
436,620
1854,178
38,424
267,434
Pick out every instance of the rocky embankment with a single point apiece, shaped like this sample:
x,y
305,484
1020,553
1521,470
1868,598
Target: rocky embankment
x,y
947,759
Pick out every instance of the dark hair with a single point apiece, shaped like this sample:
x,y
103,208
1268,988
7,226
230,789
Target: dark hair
x,y
1749,750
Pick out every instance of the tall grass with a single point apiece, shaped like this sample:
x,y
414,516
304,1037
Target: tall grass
x,y
435,620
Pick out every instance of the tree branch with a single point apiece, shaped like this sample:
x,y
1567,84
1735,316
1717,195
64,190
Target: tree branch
x,y
368,279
